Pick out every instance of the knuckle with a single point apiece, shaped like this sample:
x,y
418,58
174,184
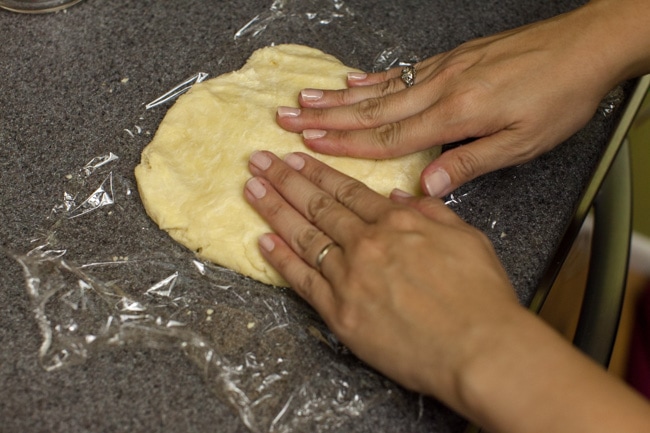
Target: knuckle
x,y
374,247
468,165
387,136
349,192
317,115
403,218
518,153
306,285
318,174
304,238
342,97
274,210
368,112
347,318
387,87
282,177
283,263
318,204
460,103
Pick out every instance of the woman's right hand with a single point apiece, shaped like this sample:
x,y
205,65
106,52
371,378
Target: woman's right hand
x,y
516,94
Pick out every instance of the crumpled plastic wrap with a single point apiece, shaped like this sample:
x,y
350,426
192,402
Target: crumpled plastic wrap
x,y
260,349
247,340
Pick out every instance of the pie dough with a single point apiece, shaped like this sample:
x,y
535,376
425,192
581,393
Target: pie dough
x,y
192,174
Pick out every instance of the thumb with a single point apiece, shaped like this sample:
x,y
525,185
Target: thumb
x,y
457,166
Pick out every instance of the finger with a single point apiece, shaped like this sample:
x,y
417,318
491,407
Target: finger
x,y
315,98
385,103
303,197
304,279
447,120
365,79
423,68
306,240
369,87
464,163
361,86
351,193
386,141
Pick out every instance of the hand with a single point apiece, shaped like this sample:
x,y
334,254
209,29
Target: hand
x,y
420,295
516,95
408,287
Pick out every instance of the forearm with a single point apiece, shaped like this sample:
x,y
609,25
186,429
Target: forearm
x,y
527,378
618,32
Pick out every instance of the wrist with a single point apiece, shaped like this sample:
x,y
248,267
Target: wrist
x,y
493,371
527,378
617,32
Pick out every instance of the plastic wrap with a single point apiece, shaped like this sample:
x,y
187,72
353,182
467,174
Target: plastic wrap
x,y
611,101
310,14
260,349
247,340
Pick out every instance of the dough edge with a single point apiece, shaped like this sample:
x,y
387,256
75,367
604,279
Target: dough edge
x,y
215,221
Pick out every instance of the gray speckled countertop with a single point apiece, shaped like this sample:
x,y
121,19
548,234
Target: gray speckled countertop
x,y
72,88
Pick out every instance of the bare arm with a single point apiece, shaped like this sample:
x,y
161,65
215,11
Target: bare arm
x,y
408,269
420,295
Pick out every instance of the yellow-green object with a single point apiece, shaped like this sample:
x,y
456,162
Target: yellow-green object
x,y
639,137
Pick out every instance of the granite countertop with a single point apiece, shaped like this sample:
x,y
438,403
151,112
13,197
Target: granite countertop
x,y
106,324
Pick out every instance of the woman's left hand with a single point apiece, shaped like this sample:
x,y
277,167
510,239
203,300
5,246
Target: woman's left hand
x,y
395,285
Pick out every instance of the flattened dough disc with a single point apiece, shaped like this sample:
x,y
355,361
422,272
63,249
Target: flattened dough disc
x,y
192,174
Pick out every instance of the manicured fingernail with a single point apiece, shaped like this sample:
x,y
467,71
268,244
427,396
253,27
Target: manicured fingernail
x,y
266,242
288,112
437,183
260,160
255,187
356,76
294,161
311,134
400,193
311,94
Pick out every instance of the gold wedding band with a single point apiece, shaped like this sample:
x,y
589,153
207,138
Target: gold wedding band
x,y
321,256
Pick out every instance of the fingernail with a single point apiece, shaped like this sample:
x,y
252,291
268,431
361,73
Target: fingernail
x,y
311,134
294,161
437,183
400,193
260,160
288,112
311,94
266,242
255,187
356,76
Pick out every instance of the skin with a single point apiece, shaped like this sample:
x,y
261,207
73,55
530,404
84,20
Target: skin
x,y
396,290
408,286
501,91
